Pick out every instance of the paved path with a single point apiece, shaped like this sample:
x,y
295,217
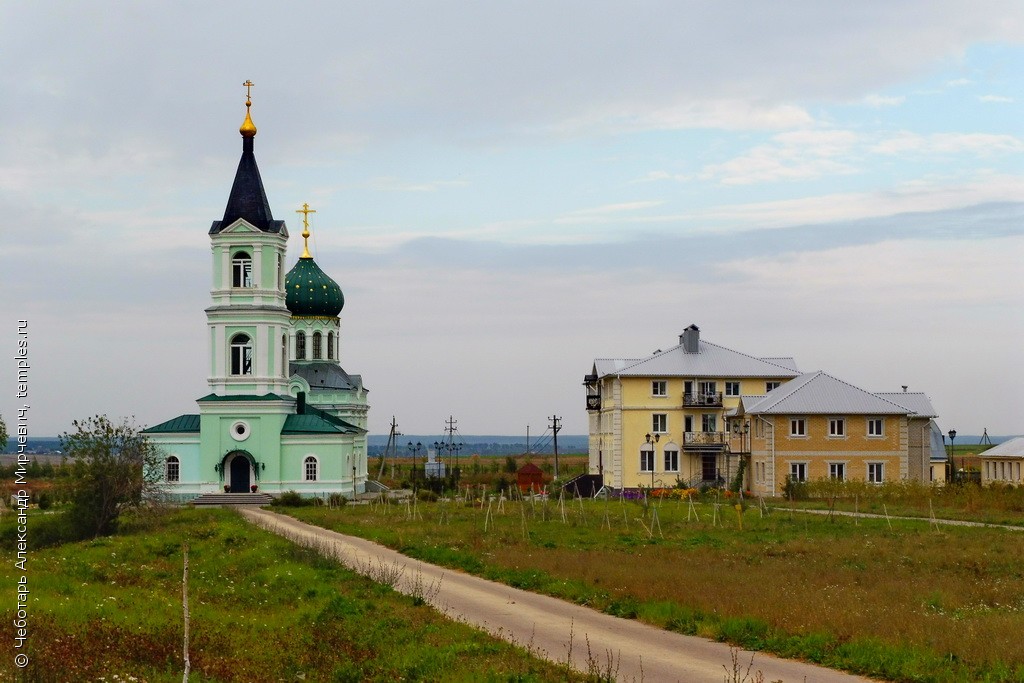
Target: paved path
x,y
874,515
551,628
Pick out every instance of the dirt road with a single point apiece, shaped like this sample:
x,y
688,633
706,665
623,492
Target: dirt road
x,y
551,628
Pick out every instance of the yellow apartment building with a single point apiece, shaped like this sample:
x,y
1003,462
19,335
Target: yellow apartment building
x,y
819,427
691,414
661,420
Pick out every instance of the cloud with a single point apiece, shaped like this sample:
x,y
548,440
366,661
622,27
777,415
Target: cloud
x,y
996,99
392,184
959,82
980,144
879,101
794,155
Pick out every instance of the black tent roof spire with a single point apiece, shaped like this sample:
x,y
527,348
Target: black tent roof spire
x,y
248,199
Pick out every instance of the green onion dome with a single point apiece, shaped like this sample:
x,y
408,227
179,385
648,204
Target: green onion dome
x,y
311,293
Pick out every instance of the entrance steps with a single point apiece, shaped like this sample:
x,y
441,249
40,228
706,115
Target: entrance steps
x,y
234,499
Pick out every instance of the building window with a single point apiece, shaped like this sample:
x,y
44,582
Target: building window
x,y
659,423
768,386
876,426
280,271
732,388
876,472
310,466
659,387
798,471
708,422
317,346
837,426
241,355
173,468
708,389
647,460
671,461
798,426
300,345
330,346
241,270
837,471
284,355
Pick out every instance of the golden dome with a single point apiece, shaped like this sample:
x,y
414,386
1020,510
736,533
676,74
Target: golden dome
x,y
248,128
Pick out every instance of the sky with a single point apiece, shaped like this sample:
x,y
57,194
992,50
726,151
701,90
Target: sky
x,y
506,191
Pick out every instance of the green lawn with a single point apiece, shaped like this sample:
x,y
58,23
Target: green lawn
x,y
904,602
262,609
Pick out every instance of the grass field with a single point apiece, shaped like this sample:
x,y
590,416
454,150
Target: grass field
x,y
893,600
262,609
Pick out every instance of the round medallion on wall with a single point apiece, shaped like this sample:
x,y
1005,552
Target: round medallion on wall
x,y
240,430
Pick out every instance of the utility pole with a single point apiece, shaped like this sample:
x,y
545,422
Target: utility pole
x,y
392,444
556,425
450,427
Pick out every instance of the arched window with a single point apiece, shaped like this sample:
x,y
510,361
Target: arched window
x,y
284,355
300,345
310,466
241,355
241,269
317,344
280,271
173,469
330,346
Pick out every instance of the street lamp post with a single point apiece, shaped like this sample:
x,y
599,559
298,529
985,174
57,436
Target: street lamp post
x,y
415,450
653,453
456,447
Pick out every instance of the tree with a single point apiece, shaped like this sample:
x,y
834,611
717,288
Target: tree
x,y
114,468
3,434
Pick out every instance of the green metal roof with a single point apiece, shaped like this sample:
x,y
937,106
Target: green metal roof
x,y
310,292
179,425
242,397
316,421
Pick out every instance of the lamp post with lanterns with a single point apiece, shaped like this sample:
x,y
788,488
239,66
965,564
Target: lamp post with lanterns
x,y
952,462
415,450
653,453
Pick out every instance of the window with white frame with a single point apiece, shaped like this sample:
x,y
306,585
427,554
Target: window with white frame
x,y
173,469
876,472
311,468
768,386
798,426
732,388
659,387
284,355
646,459
876,426
330,346
241,355
837,471
671,460
241,270
659,423
300,345
837,426
709,422
708,389
317,346
798,471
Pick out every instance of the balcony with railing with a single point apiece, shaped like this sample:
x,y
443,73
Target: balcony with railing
x,y
593,402
709,399
704,441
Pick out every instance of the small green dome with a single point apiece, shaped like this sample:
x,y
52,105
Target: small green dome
x,y
311,293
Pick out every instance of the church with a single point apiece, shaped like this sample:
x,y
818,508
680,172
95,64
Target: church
x,y
282,414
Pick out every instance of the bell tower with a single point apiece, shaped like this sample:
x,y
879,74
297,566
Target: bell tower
x,y
248,321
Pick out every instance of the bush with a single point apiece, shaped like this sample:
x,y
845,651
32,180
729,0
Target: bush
x,y
336,500
427,496
292,499
794,490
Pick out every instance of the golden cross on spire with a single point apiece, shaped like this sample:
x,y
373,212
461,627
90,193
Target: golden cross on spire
x,y
248,84
305,211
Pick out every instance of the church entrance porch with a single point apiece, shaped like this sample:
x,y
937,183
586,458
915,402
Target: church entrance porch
x,y
239,473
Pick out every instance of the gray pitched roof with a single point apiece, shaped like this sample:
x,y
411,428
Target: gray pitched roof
x,y
916,402
821,393
711,360
1014,448
325,375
